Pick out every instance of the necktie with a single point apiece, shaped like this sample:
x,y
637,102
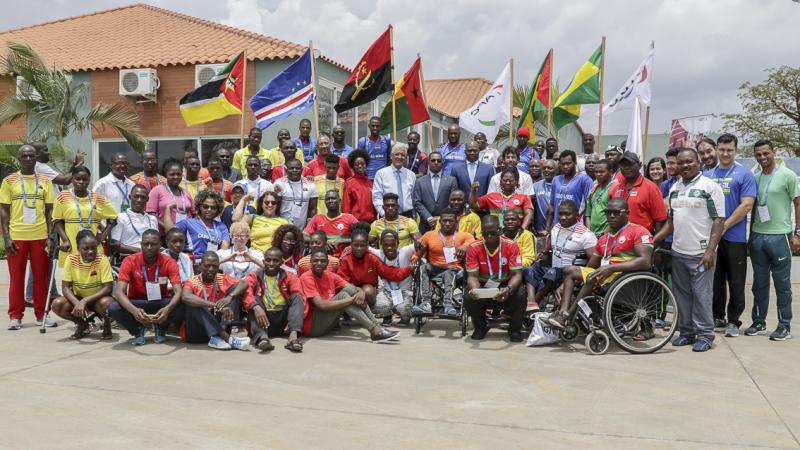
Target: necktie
x,y
471,170
435,186
399,189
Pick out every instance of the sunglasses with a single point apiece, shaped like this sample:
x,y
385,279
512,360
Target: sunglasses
x,y
270,202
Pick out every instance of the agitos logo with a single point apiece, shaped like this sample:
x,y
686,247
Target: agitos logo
x,y
493,93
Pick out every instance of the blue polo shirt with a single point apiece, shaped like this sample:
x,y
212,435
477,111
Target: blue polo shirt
x,y
309,148
452,156
666,185
343,152
198,235
736,182
525,156
576,190
378,153
541,192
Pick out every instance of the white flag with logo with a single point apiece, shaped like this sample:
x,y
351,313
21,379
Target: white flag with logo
x,y
491,111
637,85
635,130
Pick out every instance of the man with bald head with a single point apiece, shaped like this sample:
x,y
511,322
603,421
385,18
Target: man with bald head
x,y
472,170
453,152
339,146
116,186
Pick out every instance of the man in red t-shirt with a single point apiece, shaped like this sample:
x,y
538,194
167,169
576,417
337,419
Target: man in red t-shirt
x,y
626,247
329,295
141,294
213,304
335,224
645,203
495,262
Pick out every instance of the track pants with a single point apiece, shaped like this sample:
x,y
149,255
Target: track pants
x,y
124,318
729,278
771,253
514,305
33,251
201,323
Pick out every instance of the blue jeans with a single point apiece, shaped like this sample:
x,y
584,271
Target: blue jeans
x,y
771,253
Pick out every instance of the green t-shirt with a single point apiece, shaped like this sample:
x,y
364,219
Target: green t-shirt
x,y
783,189
596,203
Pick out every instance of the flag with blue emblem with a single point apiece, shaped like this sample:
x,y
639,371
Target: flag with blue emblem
x,y
290,92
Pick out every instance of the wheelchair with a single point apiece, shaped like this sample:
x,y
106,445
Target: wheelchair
x,y
437,301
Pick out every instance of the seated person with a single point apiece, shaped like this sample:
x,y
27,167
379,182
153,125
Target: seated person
x,y
445,250
213,304
239,260
497,203
275,304
141,294
205,232
466,221
494,262
527,249
336,224
317,241
176,244
127,234
237,192
406,228
86,287
570,241
626,247
329,296
289,239
394,297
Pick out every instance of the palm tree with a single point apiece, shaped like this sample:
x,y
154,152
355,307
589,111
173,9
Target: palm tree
x,y
519,95
54,105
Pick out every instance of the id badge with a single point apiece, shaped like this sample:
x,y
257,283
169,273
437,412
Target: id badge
x,y
179,216
153,291
397,297
212,246
28,215
491,284
449,254
124,207
605,262
763,213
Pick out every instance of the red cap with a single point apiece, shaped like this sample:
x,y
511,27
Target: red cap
x,y
524,131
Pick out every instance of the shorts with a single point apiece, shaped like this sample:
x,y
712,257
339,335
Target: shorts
x,y
538,274
586,271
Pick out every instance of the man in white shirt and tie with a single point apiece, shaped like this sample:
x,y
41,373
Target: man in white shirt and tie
x,y
395,178
432,192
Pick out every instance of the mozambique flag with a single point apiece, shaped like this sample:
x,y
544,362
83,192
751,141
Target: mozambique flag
x,y
220,97
538,100
409,102
584,89
371,77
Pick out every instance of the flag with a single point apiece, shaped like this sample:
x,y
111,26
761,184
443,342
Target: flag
x,y
688,131
538,100
220,97
584,89
563,115
637,85
371,77
409,102
491,110
634,140
289,92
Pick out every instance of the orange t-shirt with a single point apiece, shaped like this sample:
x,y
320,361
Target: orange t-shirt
x,y
433,240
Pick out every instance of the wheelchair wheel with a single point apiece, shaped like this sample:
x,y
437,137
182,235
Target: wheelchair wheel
x,y
464,321
633,304
417,325
597,342
569,332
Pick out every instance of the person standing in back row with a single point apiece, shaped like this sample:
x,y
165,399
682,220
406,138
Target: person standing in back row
x,y
452,151
304,142
377,147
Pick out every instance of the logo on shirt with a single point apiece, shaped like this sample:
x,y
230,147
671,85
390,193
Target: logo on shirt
x,y
503,261
340,226
622,239
519,259
516,201
645,239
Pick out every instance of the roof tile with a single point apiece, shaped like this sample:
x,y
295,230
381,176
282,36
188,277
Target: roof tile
x,y
451,97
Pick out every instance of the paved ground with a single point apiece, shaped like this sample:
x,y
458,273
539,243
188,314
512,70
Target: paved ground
x,y
433,390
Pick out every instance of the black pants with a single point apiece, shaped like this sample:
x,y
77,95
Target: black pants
x,y
514,305
731,270
202,323
290,318
124,318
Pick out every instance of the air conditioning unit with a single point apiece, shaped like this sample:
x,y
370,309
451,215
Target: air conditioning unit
x,y
203,73
139,83
25,90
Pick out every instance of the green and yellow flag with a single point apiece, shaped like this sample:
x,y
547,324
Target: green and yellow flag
x,y
584,89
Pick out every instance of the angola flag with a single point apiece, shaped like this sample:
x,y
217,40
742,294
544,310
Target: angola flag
x,y
409,102
584,89
538,100
371,77
220,97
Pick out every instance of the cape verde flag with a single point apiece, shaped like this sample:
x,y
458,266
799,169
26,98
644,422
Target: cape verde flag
x,y
290,92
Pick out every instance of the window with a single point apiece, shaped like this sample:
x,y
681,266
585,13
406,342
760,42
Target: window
x,y
364,114
325,97
164,148
207,145
345,119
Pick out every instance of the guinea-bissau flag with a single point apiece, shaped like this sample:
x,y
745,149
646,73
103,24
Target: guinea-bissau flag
x,y
584,89
371,77
409,102
220,97
538,100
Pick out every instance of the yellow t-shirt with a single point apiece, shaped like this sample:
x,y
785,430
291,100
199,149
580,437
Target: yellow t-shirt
x,y
405,228
471,223
87,278
277,159
323,186
276,301
240,158
11,194
193,187
99,209
527,247
262,230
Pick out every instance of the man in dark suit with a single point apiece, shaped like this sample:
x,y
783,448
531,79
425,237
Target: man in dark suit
x,y
472,170
432,192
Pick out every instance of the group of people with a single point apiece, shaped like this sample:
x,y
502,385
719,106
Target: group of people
x,y
302,238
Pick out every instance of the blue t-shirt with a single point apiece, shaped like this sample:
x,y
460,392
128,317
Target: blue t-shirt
x,y
525,156
378,153
309,149
576,190
736,182
198,235
452,156
227,214
666,185
344,152
541,192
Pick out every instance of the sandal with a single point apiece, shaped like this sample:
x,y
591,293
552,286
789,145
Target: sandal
x,y
294,346
264,345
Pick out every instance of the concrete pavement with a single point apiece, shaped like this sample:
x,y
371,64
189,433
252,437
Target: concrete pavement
x,y
432,390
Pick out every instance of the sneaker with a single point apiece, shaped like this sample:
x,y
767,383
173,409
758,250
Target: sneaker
x,y
719,325
385,336
387,321
660,323
14,325
479,333
731,330
139,338
701,345
756,329
239,343
160,337
557,319
680,341
422,309
48,322
780,334
532,307
216,342
515,336
451,311
347,321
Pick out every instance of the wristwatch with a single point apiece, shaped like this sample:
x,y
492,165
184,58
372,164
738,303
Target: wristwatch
x,y
797,232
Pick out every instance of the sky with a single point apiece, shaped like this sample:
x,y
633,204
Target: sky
x,y
704,50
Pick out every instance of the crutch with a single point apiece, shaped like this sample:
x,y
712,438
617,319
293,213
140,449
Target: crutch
x,y
53,265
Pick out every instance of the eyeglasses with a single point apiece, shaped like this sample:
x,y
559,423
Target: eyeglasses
x,y
240,236
270,202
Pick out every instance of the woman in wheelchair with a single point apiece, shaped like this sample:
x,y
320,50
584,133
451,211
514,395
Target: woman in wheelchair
x,y
626,247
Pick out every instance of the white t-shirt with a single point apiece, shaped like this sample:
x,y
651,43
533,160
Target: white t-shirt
x,y
402,260
489,156
46,170
131,225
257,187
239,267
525,184
115,190
570,243
295,197
693,207
185,267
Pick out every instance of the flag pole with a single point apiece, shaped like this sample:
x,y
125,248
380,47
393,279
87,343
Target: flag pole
x,y
550,94
314,85
424,97
244,88
602,79
511,104
647,121
391,52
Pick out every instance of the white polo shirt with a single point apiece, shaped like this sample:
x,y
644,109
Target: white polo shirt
x,y
295,199
131,225
117,191
693,206
569,244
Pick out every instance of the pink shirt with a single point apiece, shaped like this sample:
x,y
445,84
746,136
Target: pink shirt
x,y
161,197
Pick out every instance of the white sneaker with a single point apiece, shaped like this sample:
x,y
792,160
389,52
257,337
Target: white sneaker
x,y
216,342
239,343
48,322
14,325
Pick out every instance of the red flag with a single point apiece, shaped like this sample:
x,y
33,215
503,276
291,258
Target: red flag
x,y
371,76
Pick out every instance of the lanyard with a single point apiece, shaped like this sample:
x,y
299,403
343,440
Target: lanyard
x,y
606,254
147,180
727,174
196,185
505,201
182,209
88,224
560,249
389,283
242,273
130,219
766,188
35,194
444,242
267,294
221,187
213,237
294,194
144,274
124,192
213,292
499,260
413,161
565,184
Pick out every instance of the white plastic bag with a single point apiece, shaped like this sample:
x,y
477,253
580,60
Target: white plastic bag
x,y
542,334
